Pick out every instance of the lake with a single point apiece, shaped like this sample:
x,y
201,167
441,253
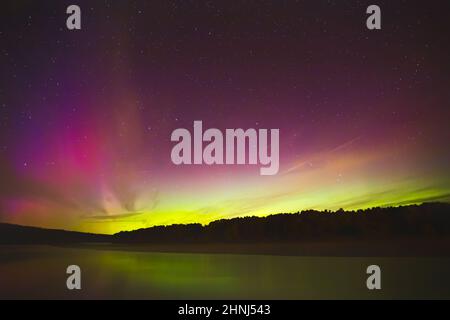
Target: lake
x,y
40,272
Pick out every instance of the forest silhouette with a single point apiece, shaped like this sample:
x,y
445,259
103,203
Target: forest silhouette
x,y
428,220
425,220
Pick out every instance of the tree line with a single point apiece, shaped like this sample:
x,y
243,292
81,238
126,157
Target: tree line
x,y
425,220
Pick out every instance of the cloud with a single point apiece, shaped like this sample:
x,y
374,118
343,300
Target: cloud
x,y
319,160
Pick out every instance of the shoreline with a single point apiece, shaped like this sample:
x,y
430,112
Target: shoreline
x,y
405,247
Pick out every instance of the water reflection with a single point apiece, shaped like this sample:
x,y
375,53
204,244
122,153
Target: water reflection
x,y
39,272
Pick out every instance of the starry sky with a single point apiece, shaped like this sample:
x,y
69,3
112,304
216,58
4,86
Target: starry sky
x,y
86,116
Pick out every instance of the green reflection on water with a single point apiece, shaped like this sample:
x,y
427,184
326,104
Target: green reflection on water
x,y
39,272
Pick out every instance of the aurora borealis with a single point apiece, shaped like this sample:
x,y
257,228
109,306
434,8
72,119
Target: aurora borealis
x,y
86,116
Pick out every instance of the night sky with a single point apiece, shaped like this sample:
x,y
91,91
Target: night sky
x,y
86,116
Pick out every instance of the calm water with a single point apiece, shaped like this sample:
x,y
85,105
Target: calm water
x,y
39,272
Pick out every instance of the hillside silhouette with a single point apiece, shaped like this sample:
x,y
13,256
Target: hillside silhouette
x,y
15,234
429,220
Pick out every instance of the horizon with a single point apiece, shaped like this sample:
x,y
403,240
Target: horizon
x,y
325,211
